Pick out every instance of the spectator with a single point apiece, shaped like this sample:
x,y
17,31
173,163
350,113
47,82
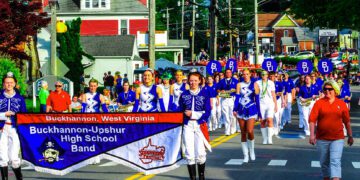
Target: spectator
x,y
119,83
107,96
125,78
75,104
104,79
82,83
110,83
329,113
43,95
58,100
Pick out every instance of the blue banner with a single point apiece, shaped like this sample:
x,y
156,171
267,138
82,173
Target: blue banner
x,y
325,66
232,64
269,65
304,67
61,143
212,67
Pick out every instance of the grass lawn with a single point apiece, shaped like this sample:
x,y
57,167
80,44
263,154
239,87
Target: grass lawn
x,y
29,105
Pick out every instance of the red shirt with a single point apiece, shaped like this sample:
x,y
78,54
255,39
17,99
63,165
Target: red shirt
x,y
59,101
329,119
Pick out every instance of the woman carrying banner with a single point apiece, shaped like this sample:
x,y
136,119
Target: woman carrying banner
x,y
307,97
148,95
195,104
91,103
165,90
214,100
11,103
268,106
177,89
126,99
246,112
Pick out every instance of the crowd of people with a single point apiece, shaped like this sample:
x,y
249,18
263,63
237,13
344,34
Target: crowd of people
x,y
226,99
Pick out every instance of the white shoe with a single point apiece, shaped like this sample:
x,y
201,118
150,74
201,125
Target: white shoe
x,y
270,134
264,134
251,145
245,149
276,131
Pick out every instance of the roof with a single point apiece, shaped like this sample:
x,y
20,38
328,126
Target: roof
x,y
177,43
268,19
121,45
116,6
288,41
303,35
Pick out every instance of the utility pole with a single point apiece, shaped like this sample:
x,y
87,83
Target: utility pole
x,y
213,22
193,33
230,30
215,37
152,34
167,21
256,34
53,67
182,19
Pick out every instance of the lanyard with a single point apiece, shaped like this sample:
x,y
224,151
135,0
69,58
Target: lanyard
x,y
264,89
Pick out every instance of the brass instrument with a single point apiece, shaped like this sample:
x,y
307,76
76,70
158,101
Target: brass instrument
x,y
226,94
306,103
124,108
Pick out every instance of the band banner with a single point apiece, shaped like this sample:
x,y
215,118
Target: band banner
x,y
61,143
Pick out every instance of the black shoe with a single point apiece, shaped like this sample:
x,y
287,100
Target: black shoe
x,y
18,173
4,173
192,171
201,169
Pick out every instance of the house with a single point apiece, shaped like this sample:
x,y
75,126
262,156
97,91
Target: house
x,y
280,33
112,53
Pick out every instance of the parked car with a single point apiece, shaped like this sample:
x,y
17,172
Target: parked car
x,y
268,55
339,65
305,55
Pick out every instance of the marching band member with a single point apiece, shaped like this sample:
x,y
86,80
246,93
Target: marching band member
x,y
226,89
195,104
290,92
91,103
218,107
11,103
126,99
165,89
268,106
316,84
280,100
214,101
345,93
177,89
246,112
148,95
298,84
307,96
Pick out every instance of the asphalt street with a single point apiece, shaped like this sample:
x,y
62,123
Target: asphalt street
x,y
290,157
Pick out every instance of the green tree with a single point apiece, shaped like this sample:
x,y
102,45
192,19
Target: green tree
x,y
8,65
71,52
327,13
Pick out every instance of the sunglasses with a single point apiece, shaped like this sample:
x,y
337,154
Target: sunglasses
x,y
328,89
58,85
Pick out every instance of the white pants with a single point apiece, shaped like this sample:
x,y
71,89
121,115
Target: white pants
x,y
9,147
301,114
267,110
227,106
195,143
219,113
277,115
306,112
286,117
213,120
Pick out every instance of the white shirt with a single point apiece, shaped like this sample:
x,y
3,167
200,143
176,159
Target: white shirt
x,y
265,91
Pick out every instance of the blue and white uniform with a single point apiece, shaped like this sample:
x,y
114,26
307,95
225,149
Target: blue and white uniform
x,y
126,98
166,98
289,86
9,139
301,114
307,92
148,99
178,90
194,140
227,104
345,91
245,104
279,88
213,120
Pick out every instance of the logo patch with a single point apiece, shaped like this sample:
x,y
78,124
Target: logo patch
x,y
151,153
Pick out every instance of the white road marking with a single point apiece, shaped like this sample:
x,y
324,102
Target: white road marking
x,y
234,162
109,164
277,163
315,164
356,165
27,167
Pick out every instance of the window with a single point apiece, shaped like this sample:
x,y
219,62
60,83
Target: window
x,y
137,76
286,33
124,30
103,3
95,4
87,3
